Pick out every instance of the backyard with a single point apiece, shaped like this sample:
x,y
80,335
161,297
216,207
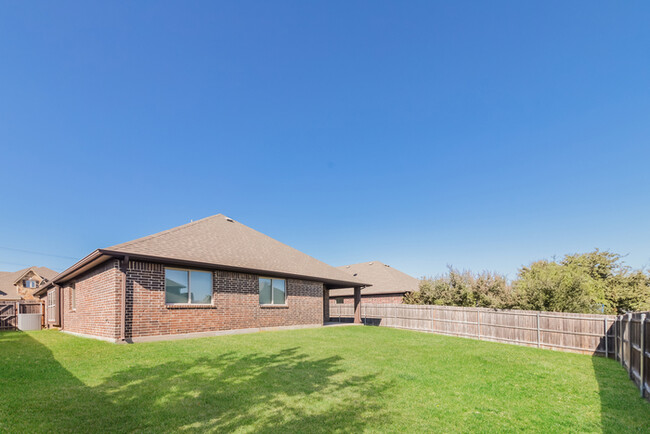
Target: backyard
x,y
315,380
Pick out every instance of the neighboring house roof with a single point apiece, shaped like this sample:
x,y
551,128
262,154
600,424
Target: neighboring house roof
x,y
9,280
223,243
384,279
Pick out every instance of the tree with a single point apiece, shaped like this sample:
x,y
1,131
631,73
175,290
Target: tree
x,y
593,282
463,288
550,286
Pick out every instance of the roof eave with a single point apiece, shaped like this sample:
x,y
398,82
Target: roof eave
x,y
91,260
43,289
210,265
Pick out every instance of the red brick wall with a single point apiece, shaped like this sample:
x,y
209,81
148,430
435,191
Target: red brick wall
x,y
235,304
385,298
98,299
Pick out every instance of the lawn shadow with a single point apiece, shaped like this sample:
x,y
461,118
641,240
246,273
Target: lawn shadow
x,y
285,390
35,387
621,407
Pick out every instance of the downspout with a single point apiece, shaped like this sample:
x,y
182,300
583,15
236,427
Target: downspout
x,y
124,267
59,290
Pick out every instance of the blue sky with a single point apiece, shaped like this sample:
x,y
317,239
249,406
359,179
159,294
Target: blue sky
x,y
484,135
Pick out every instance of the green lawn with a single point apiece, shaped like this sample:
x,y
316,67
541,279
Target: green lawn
x,y
314,380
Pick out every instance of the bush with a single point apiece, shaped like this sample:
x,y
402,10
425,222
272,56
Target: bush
x,y
463,288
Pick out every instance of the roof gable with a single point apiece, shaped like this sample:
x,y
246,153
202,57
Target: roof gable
x,y
9,279
44,272
221,241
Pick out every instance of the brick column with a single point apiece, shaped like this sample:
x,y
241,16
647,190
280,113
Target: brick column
x,y
326,304
357,305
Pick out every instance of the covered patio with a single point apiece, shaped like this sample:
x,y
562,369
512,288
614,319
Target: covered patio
x,y
356,312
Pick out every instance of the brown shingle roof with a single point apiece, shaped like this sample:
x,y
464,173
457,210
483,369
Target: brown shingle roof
x,y
8,280
221,241
384,279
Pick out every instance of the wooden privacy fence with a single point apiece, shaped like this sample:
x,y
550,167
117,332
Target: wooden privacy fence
x,y
8,317
632,347
11,310
574,332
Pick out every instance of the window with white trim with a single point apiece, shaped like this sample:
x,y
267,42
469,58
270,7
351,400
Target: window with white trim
x,y
29,283
273,291
51,305
187,286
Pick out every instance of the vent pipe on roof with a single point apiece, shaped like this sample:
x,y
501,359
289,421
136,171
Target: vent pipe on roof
x,y
228,219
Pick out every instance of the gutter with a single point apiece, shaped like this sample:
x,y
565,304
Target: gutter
x,y
43,289
213,266
61,277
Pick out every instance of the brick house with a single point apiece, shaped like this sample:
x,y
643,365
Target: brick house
x,y
388,284
21,284
204,278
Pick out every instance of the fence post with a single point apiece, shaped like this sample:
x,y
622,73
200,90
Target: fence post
x,y
616,338
642,357
628,354
620,339
478,324
606,339
538,334
431,318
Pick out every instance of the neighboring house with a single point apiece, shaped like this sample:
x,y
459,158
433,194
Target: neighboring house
x,y
198,279
21,284
388,284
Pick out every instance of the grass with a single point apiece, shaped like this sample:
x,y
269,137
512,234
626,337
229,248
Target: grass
x,y
344,379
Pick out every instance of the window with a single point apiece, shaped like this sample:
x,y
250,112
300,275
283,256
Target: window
x,y
51,305
187,287
339,300
29,283
272,291
73,297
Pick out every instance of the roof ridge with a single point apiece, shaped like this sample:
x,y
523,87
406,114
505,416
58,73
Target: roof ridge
x,y
165,232
361,263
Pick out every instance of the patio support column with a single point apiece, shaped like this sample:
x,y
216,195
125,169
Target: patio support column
x,y
326,304
357,305
124,271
